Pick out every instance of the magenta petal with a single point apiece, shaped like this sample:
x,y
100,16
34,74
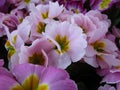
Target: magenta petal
x,y
64,85
52,75
4,71
6,83
22,71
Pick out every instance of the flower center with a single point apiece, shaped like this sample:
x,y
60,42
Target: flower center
x,y
98,46
44,15
26,1
104,4
43,87
31,82
40,27
37,58
17,87
63,42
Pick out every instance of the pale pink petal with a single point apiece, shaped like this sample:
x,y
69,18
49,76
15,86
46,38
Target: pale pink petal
x,y
90,51
111,60
109,46
59,60
24,30
91,61
54,9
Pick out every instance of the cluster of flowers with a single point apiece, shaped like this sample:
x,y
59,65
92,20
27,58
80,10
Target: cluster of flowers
x,y
45,36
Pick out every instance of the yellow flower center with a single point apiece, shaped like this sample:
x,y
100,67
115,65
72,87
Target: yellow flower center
x,y
104,4
40,27
27,1
44,15
30,83
43,87
98,46
17,87
63,42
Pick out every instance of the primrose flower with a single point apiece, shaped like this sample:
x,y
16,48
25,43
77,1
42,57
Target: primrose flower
x,y
101,53
69,40
33,77
48,11
36,53
93,23
40,16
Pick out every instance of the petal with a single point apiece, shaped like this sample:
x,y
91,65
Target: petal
x,y
64,85
112,78
91,61
58,60
54,9
109,45
22,71
52,75
8,83
90,51
111,60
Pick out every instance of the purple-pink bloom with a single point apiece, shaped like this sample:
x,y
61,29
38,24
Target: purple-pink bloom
x,y
34,77
63,35
94,24
101,53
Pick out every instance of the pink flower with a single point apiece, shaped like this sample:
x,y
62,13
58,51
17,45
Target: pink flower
x,y
101,53
28,76
36,53
69,40
93,23
48,11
